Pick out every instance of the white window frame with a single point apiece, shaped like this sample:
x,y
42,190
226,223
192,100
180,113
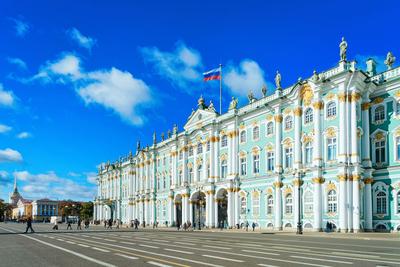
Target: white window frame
x,y
286,152
376,188
224,141
374,120
270,155
396,151
243,161
308,118
332,204
270,204
332,116
256,205
243,204
308,146
286,122
308,205
396,194
243,137
199,148
256,163
270,129
224,169
289,204
256,137
373,145
327,148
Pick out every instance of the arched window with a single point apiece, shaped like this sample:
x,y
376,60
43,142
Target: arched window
x,y
224,169
270,205
199,171
331,109
331,148
288,123
199,148
308,153
243,205
256,133
243,166
270,128
308,202
332,201
256,204
256,163
270,161
243,137
379,114
380,151
288,204
224,141
381,203
190,175
308,115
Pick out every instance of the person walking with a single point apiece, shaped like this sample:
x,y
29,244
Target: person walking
x,y
79,226
87,224
110,224
117,223
105,224
69,225
29,225
253,225
55,227
247,226
178,226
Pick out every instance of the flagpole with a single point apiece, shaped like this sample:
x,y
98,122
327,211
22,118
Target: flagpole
x,y
220,90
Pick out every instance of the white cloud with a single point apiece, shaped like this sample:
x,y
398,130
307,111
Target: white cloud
x,y
23,135
10,155
181,67
116,90
112,88
7,98
83,41
91,177
18,62
4,128
21,27
52,186
64,69
4,178
247,76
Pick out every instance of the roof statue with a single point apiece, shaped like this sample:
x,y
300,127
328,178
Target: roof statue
x,y
162,136
138,145
130,154
154,138
191,114
251,97
315,76
175,129
278,79
233,104
390,59
169,133
264,90
200,103
211,107
343,50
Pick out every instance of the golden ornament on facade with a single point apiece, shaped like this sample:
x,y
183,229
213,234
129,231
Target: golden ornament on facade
x,y
278,118
318,105
242,154
318,180
287,111
368,180
330,186
342,177
377,100
355,96
242,126
306,94
269,191
255,150
330,132
287,190
255,194
379,136
297,182
269,147
365,106
330,96
269,117
342,97
298,111
278,184
287,142
223,157
356,177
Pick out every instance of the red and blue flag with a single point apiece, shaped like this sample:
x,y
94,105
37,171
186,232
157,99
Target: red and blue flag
x,y
214,74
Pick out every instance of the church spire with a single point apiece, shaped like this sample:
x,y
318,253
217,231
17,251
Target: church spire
x,y
15,184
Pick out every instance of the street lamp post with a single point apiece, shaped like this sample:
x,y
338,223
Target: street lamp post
x,y
299,224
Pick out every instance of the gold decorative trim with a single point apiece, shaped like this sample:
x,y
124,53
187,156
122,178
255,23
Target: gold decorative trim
x,y
342,97
377,100
298,111
277,184
297,182
306,94
355,96
368,180
318,105
342,177
318,180
278,118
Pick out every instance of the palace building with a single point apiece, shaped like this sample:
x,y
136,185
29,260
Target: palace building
x,y
324,152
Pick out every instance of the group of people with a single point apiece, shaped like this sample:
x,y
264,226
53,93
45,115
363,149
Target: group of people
x,y
69,224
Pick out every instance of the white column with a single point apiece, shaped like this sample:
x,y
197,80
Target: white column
x,y
296,183
146,211
230,207
297,135
343,127
216,222
317,157
278,140
212,158
355,97
208,221
317,203
237,207
366,160
170,210
342,202
278,205
356,202
349,201
190,219
216,159
368,204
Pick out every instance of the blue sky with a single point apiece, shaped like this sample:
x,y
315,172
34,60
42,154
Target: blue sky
x,y
82,81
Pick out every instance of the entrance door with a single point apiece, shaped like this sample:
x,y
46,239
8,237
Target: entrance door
x,y
178,214
223,212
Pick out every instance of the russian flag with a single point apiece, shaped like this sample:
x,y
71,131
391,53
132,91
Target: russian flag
x,y
214,74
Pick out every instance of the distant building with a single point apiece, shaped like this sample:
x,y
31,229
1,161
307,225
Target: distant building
x,y
23,209
43,209
15,196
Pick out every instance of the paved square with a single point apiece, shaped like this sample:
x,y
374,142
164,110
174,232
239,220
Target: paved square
x,y
148,247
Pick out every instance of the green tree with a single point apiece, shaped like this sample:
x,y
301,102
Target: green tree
x,y
86,210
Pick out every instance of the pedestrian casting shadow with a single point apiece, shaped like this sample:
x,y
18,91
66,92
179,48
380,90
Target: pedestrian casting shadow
x,y
98,231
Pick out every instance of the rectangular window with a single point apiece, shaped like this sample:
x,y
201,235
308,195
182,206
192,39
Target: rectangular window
x,y
289,157
331,148
256,163
270,161
380,156
243,166
256,205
